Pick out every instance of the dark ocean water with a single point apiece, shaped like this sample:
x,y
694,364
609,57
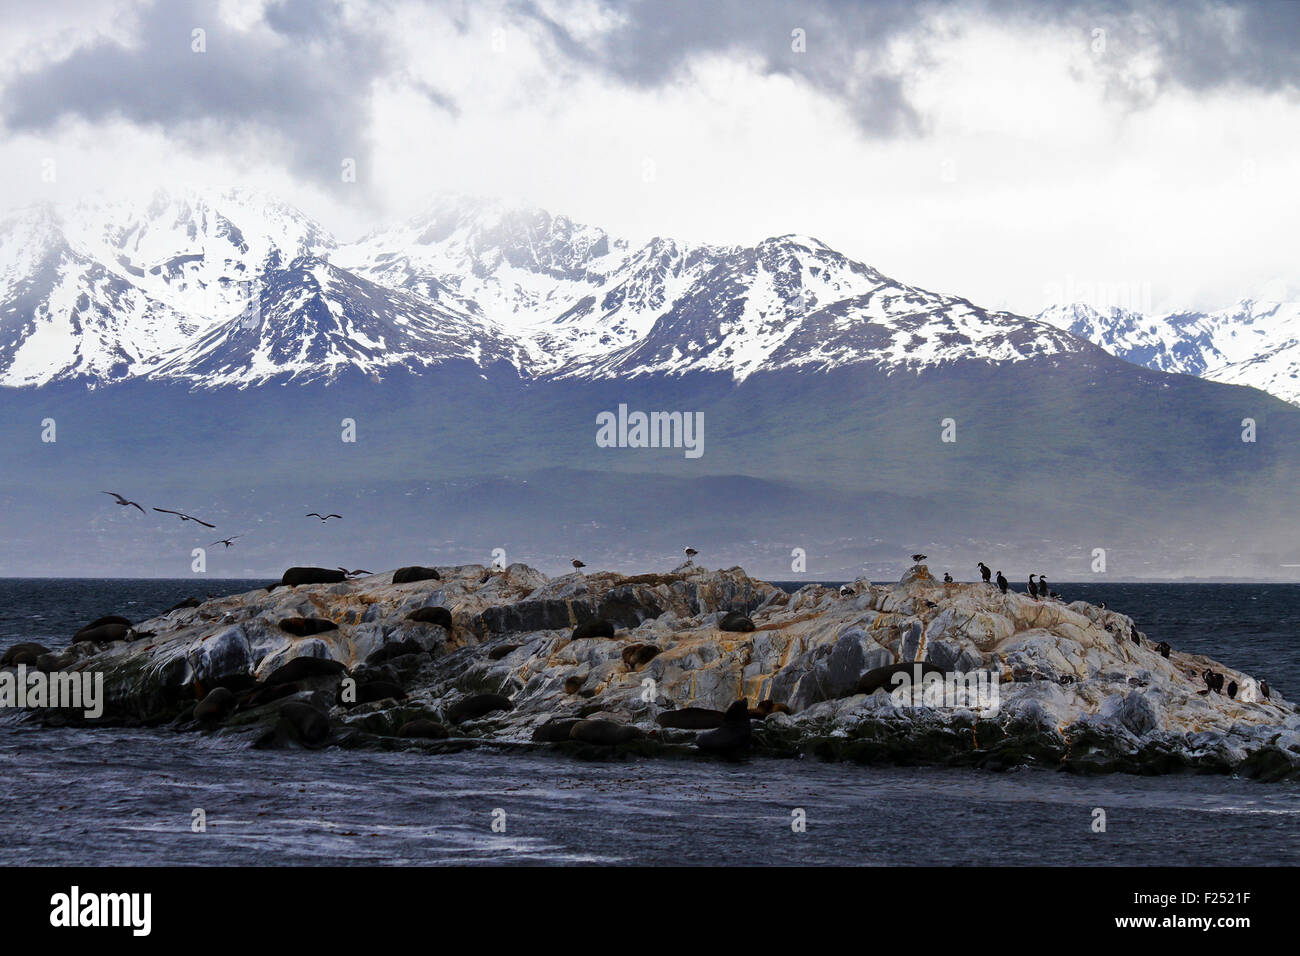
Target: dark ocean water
x,y
127,797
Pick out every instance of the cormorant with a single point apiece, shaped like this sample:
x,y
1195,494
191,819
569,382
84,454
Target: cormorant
x,y
947,578
1263,689
1033,588
1232,688
984,572
122,501
1042,586
1002,583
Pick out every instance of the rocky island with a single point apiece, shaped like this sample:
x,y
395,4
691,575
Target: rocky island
x,y
692,663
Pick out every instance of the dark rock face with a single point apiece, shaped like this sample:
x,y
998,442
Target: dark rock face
x,y
306,626
627,606
555,729
394,649
375,690
180,605
414,573
296,576
543,615
883,677
502,650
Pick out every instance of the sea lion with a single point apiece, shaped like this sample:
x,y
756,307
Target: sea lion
x,y
415,572
104,633
296,576
735,621
607,733
555,729
478,705
304,722
636,655
301,668
374,690
594,628
25,653
879,677
573,683
51,662
432,615
394,649
266,694
1164,648
423,727
691,718
502,650
215,705
188,602
306,626
106,619
732,736
766,708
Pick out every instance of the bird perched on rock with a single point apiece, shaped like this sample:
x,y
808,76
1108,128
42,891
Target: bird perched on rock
x,y
918,558
690,554
1164,648
1042,587
1033,588
1232,689
947,578
1263,689
123,501
577,564
184,517
846,591
1002,583
984,572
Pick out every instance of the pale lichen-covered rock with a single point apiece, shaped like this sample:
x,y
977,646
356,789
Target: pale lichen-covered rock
x,y
1074,690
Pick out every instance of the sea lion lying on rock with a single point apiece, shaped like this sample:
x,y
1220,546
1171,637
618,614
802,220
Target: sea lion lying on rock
x,y
735,621
691,718
766,708
188,602
555,729
879,677
734,734
422,727
266,694
301,668
594,628
637,655
502,650
607,733
299,723
104,633
306,626
55,662
394,649
215,706
25,653
477,706
415,573
296,576
432,615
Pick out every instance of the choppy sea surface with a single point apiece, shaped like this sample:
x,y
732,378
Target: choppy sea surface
x,y
110,797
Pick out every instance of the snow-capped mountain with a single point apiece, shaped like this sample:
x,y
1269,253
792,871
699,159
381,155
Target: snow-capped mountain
x,y
1250,343
232,288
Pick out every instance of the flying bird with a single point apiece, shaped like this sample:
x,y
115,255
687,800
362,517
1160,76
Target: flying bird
x,y
226,541
323,518
184,517
122,501
354,574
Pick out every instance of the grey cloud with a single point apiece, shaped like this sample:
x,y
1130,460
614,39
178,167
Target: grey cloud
x,y
306,80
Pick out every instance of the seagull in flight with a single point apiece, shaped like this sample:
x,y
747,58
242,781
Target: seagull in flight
x,y
323,518
121,500
226,541
354,574
184,517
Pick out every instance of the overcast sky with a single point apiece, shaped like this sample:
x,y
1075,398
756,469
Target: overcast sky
x,y
1015,153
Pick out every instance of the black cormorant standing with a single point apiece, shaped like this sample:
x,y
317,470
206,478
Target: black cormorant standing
x,y
1263,689
1002,583
1232,688
984,572
1033,588
947,578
